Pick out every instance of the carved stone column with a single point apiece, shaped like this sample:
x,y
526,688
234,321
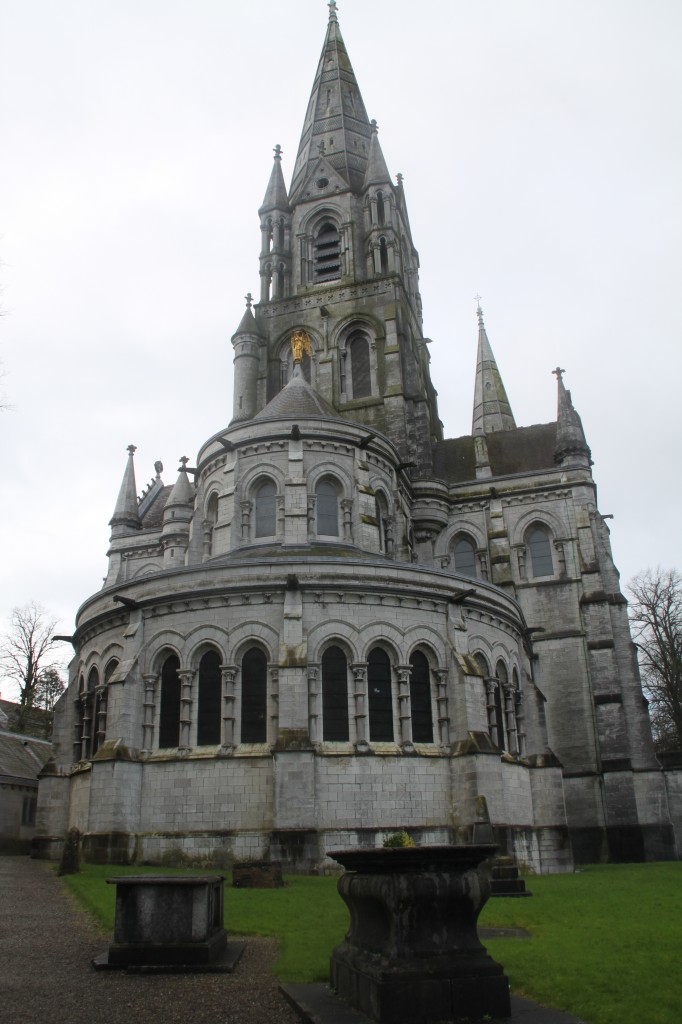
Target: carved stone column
x,y
274,693
228,674
404,713
314,709
312,508
101,715
78,729
491,686
148,708
246,520
347,509
186,679
360,706
510,719
442,705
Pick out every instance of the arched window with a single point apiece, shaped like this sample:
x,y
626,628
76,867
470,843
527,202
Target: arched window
x,y
381,512
383,255
334,695
420,698
254,726
208,713
540,552
327,509
280,234
210,519
327,253
169,713
380,696
361,377
464,553
381,211
266,510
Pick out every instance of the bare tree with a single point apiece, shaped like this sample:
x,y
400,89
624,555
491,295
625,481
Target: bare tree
x,y
28,650
656,619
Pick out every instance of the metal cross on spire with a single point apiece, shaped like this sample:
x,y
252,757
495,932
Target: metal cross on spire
x,y
559,373
249,300
333,10
183,461
278,152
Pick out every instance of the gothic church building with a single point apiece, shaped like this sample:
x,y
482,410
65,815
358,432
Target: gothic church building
x,y
338,622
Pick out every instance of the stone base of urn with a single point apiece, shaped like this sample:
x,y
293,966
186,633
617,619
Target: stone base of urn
x,y
412,953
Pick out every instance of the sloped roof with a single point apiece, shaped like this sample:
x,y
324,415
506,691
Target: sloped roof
x,y
522,450
22,757
28,721
153,517
297,398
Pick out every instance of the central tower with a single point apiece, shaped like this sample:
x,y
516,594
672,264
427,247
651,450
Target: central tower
x,y
337,260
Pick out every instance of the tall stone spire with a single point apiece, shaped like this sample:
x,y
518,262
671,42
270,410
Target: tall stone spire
x,y
126,516
492,411
571,446
336,125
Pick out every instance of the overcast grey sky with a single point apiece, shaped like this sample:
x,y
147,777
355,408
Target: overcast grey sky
x,y
541,146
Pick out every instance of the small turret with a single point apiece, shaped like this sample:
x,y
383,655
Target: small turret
x,y
275,226
492,411
177,519
571,447
246,342
126,517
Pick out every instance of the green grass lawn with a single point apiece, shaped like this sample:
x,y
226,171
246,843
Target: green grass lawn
x,y
606,942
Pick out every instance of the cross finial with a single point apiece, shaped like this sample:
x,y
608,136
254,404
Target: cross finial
x,y
131,449
559,373
249,300
332,10
374,126
399,179
479,311
278,152
183,461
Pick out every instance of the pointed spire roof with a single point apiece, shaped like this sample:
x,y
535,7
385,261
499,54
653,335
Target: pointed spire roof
x,y
276,192
377,171
492,411
248,323
570,436
297,398
126,513
183,492
336,116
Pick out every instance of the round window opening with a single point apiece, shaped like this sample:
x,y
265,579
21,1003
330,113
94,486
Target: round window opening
x,y
322,182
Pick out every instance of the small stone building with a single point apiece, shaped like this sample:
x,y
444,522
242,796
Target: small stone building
x,y
21,759
338,622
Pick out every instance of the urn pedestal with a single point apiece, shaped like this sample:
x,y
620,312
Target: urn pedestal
x,y
412,952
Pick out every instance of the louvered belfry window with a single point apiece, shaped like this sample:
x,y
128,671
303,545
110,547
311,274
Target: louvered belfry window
x,y
327,254
360,368
334,695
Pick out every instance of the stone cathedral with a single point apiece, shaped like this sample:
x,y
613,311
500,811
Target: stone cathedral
x,y
337,622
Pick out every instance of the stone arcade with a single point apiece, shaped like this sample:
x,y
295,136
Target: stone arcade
x,y
339,622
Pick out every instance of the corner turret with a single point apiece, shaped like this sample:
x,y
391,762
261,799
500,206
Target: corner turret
x,y
126,517
177,519
571,447
275,226
246,342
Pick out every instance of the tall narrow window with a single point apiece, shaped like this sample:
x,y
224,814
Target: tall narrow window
x,y
380,694
208,714
327,509
381,512
169,714
334,695
502,678
92,704
360,367
280,234
383,255
420,699
327,255
266,509
381,212
254,696
465,557
540,552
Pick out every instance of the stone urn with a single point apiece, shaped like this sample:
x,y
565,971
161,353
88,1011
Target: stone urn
x,y
412,952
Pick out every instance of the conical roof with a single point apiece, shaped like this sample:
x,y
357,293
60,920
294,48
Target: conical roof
x,y
336,117
183,492
248,323
276,192
297,398
492,411
126,511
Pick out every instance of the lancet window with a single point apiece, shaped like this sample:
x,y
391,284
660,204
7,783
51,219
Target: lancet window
x,y
209,705
380,696
254,692
334,695
169,710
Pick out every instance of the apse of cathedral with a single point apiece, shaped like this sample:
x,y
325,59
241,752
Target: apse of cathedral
x,y
336,622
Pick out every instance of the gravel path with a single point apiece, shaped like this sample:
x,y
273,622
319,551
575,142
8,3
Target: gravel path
x,y
47,942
